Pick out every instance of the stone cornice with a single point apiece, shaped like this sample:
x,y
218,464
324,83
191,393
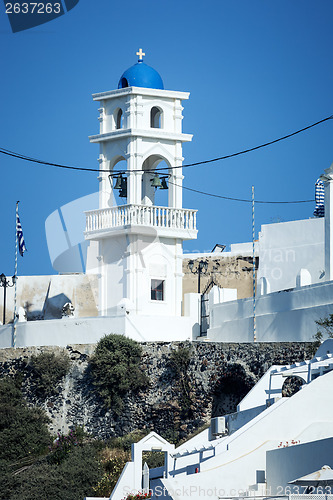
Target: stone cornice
x,y
153,134
112,94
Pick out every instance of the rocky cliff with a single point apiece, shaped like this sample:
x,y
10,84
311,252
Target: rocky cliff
x,y
175,403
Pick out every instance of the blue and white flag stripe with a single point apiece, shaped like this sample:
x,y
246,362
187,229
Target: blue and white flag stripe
x,y
20,239
319,211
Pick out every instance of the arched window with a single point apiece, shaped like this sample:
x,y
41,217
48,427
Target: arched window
x,y
155,117
119,119
123,83
291,385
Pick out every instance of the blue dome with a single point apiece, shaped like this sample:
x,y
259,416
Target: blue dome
x,y
140,75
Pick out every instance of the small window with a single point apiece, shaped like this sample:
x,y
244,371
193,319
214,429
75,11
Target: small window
x,y
119,119
123,83
155,117
157,289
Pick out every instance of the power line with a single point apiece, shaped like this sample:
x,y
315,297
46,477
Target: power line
x,y
69,167
254,148
239,199
27,158
42,162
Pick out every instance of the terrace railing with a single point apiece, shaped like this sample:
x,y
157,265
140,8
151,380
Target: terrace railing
x,y
140,215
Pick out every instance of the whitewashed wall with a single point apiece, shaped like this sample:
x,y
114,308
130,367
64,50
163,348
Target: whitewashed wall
x,y
89,330
292,462
284,316
287,247
130,261
233,467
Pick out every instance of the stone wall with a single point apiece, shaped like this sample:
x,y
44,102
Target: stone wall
x,y
226,271
43,297
217,378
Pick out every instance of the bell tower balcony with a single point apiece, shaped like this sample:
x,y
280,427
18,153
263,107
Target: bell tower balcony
x,y
141,219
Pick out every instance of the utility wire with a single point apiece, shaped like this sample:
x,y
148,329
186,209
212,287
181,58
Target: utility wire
x,y
22,157
239,199
59,165
42,162
253,149
35,160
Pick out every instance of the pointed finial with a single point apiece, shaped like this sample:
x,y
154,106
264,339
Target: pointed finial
x,y
140,54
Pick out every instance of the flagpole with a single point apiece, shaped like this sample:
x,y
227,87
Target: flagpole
x,y
253,270
15,274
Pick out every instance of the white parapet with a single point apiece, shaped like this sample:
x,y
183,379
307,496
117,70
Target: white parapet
x,y
169,220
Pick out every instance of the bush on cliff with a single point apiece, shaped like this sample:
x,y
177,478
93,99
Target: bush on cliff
x,y
115,369
72,479
113,462
23,430
179,362
28,470
48,370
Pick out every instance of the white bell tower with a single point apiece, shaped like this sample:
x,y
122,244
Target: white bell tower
x,y
140,243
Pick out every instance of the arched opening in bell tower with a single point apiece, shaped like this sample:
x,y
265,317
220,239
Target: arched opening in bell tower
x,y
155,184
156,116
118,181
119,118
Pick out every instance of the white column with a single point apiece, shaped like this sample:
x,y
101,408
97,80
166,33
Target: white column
x,y
176,189
328,183
131,166
134,166
105,192
176,179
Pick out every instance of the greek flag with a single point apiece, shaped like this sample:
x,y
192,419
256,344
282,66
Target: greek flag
x,y
20,238
319,211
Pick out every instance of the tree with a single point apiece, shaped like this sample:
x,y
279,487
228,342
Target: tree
x,y
327,324
115,369
326,331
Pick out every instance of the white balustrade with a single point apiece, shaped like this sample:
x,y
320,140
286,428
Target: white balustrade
x,y
140,215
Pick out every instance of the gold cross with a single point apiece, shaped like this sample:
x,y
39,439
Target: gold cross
x,y
140,54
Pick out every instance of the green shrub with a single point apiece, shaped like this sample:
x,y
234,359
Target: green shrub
x,y
48,369
322,334
125,442
23,430
153,458
63,445
113,462
73,479
115,369
179,362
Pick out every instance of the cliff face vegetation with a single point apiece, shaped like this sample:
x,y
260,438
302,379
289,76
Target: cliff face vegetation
x,y
68,416
122,386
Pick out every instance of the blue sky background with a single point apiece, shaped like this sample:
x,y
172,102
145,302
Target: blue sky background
x,y
256,70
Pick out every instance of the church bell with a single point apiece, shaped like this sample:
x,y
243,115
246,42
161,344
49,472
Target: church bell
x,y
118,184
156,181
123,188
164,183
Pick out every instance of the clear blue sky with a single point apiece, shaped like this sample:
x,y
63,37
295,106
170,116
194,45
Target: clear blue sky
x,y
256,70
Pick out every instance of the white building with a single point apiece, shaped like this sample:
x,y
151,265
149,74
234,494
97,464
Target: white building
x,y
294,284
270,441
